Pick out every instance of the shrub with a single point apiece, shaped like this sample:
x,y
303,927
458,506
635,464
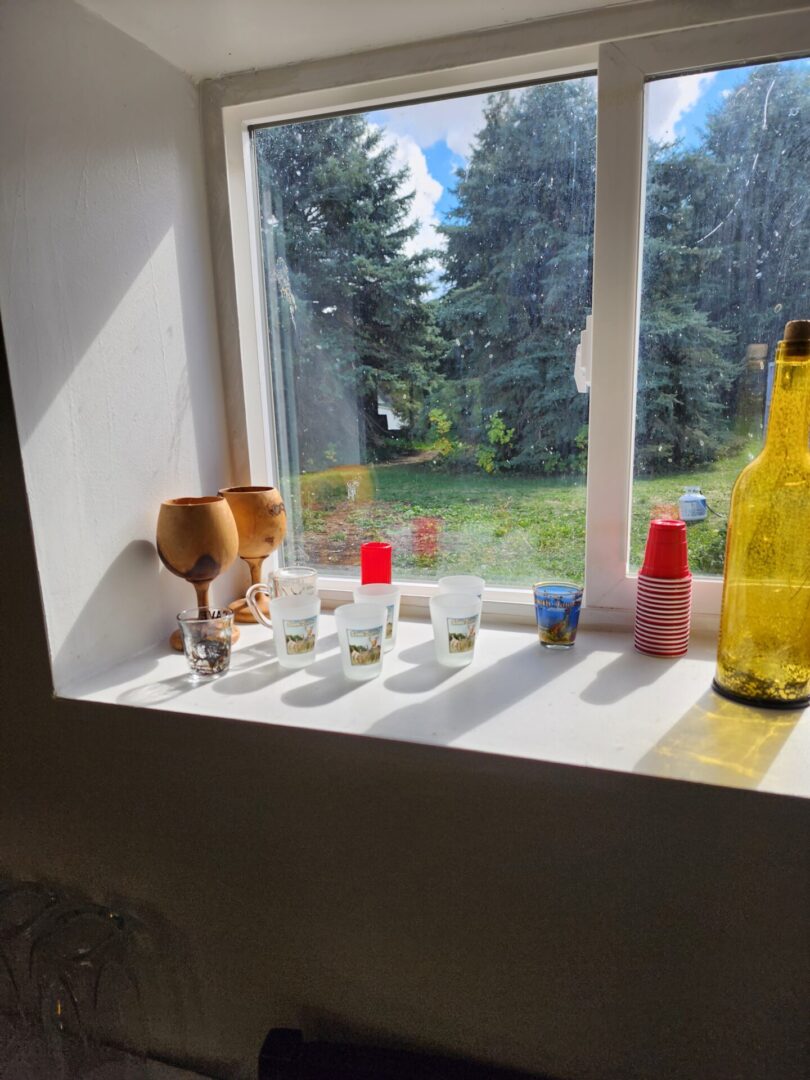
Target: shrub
x,y
495,456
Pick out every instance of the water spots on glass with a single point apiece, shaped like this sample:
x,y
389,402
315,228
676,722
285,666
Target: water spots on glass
x,y
726,223
417,351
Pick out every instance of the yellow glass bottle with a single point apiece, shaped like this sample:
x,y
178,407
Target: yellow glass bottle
x,y
764,650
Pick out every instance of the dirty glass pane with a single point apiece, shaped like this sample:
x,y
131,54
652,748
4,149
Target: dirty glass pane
x,y
725,265
427,273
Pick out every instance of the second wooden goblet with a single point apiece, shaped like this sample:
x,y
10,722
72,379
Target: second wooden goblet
x,y
262,524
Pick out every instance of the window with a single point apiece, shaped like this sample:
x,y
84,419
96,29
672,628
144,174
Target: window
x,y
355,448
628,88
726,235
427,270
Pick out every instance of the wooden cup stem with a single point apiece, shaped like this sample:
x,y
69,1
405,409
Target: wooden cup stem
x,y
255,567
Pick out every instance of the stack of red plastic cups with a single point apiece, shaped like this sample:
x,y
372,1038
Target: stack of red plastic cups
x,y
664,598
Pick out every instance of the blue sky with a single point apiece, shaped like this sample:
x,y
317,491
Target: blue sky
x,y
690,124
433,139
442,163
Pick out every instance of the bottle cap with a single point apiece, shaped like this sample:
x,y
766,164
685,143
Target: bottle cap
x,y
666,554
798,330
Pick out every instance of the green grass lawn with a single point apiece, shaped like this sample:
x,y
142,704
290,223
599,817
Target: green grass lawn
x,y
512,530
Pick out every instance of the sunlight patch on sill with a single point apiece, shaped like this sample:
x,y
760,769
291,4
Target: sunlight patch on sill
x,y
600,705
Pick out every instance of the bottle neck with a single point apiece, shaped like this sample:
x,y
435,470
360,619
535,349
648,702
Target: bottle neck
x,y
789,417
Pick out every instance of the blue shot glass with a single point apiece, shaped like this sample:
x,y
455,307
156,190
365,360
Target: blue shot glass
x,y
556,607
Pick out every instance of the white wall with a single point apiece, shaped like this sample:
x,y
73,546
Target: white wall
x,y
592,926
106,299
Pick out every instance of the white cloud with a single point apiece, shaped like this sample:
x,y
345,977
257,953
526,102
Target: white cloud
x,y
668,101
455,121
427,190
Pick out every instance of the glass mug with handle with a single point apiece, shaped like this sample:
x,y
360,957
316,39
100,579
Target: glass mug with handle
x,y
287,581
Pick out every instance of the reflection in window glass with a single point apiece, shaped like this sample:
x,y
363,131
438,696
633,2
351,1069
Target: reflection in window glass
x,y
726,242
427,272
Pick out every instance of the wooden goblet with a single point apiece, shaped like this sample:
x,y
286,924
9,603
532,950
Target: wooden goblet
x,y
197,540
262,524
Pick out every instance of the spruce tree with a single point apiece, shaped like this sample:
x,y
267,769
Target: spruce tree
x,y
348,298
684,365
518,266
725,263
755,210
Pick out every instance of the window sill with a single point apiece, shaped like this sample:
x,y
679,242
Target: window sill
x,y
602,705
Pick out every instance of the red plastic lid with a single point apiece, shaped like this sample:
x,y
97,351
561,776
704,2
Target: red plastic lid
x,y
666,554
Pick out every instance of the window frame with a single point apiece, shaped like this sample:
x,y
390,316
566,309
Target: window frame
x,y
622,68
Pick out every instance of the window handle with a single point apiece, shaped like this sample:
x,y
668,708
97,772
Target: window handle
x,y
583,358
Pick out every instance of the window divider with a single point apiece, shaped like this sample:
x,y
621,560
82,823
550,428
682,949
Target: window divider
x,y
617,240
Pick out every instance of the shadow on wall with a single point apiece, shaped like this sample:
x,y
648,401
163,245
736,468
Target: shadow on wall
x,y
106,625
108,311
103,627
77,983
113,177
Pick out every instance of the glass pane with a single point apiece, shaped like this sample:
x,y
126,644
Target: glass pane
x,y
427,273
726,264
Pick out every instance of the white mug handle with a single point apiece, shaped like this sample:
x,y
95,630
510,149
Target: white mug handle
x,y
250,596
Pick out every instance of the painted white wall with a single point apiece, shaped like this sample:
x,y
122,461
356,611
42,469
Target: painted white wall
x,y
211,38
207,38
106,298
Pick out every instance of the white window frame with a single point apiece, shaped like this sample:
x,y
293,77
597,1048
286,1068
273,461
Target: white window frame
x,y
622,68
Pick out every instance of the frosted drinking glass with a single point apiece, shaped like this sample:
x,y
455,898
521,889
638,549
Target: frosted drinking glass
x,y
389,595
295,629
455,618
462,583
360,630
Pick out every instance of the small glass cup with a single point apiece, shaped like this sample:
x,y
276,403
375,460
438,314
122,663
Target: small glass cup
x,y
389,595
462,583
288,581
295,629
456,618
556,607
360,630
206,634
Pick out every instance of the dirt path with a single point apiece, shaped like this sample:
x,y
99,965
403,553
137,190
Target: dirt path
x,y
414,459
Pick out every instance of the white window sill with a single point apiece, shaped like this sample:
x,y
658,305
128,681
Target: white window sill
x,y
601,705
